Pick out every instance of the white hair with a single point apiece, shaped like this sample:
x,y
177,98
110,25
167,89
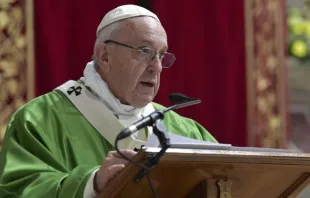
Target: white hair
x,y
105,34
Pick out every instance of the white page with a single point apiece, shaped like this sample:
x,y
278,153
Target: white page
x,y
178,141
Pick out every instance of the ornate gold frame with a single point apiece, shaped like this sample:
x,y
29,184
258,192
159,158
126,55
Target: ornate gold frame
x,y
17,72
31,49
266,73
249,48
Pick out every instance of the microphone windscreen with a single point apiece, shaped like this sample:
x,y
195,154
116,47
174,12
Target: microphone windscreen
x,y
179,98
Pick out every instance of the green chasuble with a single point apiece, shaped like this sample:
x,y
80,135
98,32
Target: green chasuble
x,y
50,149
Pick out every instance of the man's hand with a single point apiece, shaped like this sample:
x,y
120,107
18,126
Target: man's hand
x,y
111,165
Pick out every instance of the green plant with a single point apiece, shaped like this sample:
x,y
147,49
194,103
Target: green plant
x,y
299,32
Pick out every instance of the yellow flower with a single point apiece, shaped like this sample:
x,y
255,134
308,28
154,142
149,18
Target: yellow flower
x,y
299,49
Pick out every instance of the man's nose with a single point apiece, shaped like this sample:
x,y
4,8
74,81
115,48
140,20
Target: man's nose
x,y
156,65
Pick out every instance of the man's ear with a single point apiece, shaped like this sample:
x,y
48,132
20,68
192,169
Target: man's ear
x,y
102,57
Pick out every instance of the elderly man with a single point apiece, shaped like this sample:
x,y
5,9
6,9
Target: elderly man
x,y
61,144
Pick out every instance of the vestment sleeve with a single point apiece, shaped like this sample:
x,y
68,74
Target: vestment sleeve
x,y
32,164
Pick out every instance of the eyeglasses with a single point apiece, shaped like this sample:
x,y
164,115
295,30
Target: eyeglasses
x,y
147,55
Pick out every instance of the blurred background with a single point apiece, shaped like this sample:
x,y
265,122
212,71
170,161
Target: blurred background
x,y
247,60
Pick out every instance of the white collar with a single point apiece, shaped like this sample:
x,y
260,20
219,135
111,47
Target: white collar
x,y
127,114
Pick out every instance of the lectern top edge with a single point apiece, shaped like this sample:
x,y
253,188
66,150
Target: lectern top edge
x,y
253,155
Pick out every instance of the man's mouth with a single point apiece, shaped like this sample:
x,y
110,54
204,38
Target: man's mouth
x,y
147,84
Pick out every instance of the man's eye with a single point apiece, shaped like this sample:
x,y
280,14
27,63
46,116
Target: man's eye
x,y
146,51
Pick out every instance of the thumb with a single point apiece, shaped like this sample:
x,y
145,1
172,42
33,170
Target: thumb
x,y
106,175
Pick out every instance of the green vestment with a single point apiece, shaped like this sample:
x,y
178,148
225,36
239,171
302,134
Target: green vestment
x,y
50,149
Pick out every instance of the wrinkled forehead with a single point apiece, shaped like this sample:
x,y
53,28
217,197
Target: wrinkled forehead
x,y
145,30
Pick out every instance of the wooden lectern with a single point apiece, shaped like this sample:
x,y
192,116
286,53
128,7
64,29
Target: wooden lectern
x,y
240,172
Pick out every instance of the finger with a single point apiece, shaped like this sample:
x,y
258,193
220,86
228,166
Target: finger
x,y
115,160
105,174
127,152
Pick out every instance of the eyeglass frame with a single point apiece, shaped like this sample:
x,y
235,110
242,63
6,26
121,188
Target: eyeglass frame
x,y
140,50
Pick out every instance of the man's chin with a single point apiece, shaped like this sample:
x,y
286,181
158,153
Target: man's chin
x,y
142,100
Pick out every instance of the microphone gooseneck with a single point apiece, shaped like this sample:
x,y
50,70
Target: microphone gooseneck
x,y
155,121
180,100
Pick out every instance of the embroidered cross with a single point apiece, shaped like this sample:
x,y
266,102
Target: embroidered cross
x,y
76,90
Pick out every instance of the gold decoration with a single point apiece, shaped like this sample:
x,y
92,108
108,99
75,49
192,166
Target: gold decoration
x,y
262,104
266,71
274,122
4,20
14,48
272,6
225,188
262,83
271,63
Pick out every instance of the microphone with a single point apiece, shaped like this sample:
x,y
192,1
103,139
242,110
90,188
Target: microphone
x,y
180,100
144,122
